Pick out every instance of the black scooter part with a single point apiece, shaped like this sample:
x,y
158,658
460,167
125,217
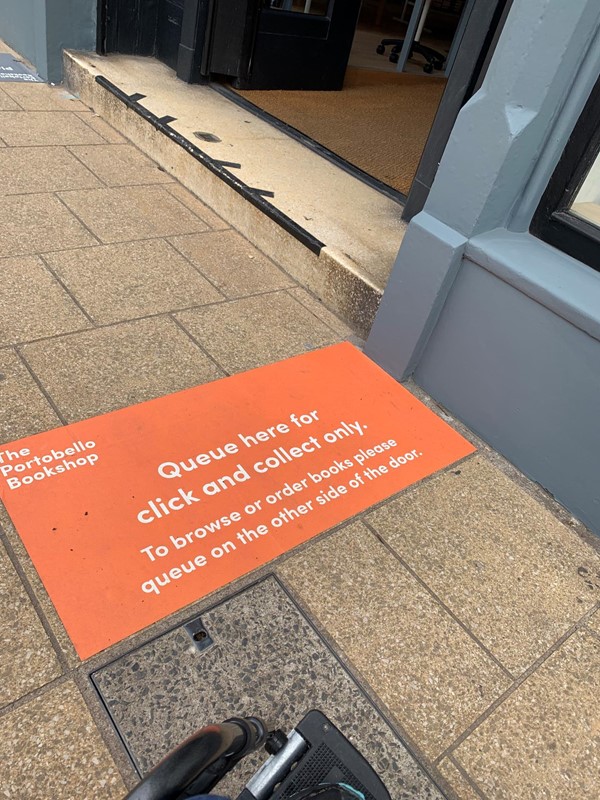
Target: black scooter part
x,y
200,762
330,758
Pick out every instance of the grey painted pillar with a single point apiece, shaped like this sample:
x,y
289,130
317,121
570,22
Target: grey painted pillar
x,y
23,27
40,29
486,167
69,24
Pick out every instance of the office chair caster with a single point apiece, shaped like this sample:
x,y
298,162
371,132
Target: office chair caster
x,y
380,49
428,68
394,58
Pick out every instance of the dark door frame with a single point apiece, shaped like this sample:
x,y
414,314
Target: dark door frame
x,y
130,26
126,26
472,59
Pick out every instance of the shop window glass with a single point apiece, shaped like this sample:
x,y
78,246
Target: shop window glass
x,y
586,203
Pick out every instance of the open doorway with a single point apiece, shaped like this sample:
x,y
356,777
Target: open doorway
x,y
333,73
380,121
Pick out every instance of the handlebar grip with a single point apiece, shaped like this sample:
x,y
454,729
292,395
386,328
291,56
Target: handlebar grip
x,y
201,760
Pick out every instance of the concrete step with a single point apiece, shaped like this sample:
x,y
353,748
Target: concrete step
x,y
332,232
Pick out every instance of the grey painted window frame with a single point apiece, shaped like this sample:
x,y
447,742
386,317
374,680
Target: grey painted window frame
x,y
553,221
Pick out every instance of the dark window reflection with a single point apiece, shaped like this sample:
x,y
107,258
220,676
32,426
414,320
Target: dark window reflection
x,y
317,7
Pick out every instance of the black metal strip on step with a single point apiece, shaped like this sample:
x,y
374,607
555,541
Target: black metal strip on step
x,y
312,144
230,164
263,192
254,196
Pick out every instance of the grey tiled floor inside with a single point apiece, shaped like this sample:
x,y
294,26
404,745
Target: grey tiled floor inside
x,y
466,608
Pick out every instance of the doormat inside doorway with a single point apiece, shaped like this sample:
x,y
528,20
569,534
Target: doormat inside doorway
x,y
135,514
379,122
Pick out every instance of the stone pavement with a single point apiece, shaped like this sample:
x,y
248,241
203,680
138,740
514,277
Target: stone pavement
x,y
467,607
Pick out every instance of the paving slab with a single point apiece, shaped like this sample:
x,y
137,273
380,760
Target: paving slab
x,y
430,673
234,265
101,126
315,306
594,622
117,282
20,128
27,658
25,410
46,607
265,660
121,214
33,304
197,207
543,740
42,169
7,103
253,331
108,368
42,97
60,752
120,165
500,560
461,786
37,223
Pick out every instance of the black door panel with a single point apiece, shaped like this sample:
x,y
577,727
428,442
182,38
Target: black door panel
x,y
297,50
286,23
260,44
168,36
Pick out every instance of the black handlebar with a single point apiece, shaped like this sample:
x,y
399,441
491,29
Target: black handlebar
x,y
201,761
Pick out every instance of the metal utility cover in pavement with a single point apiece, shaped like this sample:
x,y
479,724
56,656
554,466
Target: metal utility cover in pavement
x,y
12,70
264,659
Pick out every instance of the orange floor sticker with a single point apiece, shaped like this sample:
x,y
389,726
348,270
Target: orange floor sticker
x,y
134,514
